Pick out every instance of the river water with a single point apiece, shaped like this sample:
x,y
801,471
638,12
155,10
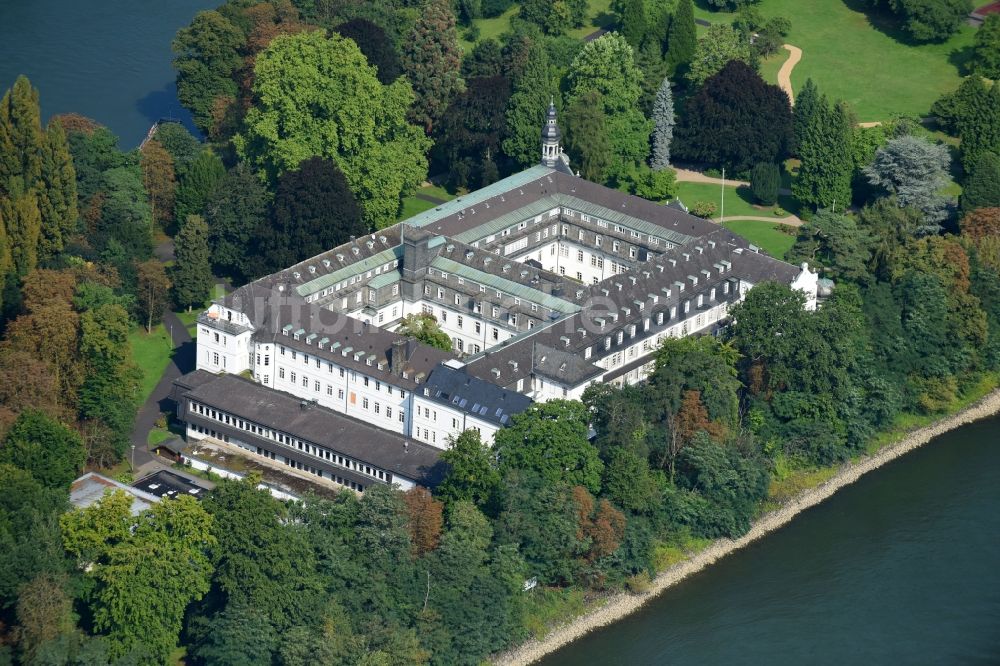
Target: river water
x,y
902,567
107,59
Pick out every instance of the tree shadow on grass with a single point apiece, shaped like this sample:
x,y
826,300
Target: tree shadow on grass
x,y
605,20
962,59
883,20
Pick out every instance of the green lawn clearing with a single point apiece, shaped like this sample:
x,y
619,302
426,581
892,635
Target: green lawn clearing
x,y
151,352
859,58
768,236
739,200
600,17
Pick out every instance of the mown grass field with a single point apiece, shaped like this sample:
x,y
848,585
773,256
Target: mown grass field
x,y
600,17
739,200
861,58
151,352
769,236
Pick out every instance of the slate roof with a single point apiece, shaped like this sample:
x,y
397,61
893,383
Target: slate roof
x,y
92,487
484,400
349,436
564,367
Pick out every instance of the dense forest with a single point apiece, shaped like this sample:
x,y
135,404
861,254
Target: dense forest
x,y
370,98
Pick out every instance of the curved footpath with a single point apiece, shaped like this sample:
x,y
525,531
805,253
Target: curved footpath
x,y
622,604
785,73
790,220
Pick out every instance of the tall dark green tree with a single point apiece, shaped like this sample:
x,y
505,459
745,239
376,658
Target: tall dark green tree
x,y
431,60
824,179
682,38
376,45
472,475
197,184
952,108
979,128
663,126
527,107
586,137
982,187
234,213
191,275
765,181
57,195
49,450
313,211
633,22
807,105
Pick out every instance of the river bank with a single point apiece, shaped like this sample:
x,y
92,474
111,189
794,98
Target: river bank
x,y
620,605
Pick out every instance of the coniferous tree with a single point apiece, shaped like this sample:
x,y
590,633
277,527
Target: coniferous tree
x,y
527,108
982,187
57,196
192,272
159,180
650,61
21,138
663,126
23,222
914,170
951,109
587,137
377,47
806,104
682,37
824,179
987,60
633,22
199,181
314,210
765,180
432,59
980,128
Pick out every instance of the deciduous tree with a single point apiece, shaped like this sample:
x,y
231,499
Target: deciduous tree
x,y
425,519
987,48
52,452
472,473
153,292
159,180
719,46
377,47
207,56
327,102
424,327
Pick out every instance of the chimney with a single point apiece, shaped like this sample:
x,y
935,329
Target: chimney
x,y
398,358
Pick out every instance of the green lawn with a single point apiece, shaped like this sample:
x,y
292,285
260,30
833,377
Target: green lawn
x,y
151,352
739,200
600,17
861,60
768,236
412,205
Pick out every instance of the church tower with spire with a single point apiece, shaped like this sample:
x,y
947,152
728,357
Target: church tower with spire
x,y
551,150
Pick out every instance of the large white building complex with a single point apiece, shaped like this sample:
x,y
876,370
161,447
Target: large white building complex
x,y
545,283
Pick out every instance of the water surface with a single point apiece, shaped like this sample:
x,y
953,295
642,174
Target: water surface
x,y
903,567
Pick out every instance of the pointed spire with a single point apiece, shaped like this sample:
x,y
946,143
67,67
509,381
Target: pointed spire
x,y
550,137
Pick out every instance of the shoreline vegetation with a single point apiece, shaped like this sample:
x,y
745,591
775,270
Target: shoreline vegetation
x,y
610,609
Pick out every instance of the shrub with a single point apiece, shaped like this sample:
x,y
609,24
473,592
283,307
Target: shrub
x,y
704,209
765,179
638,583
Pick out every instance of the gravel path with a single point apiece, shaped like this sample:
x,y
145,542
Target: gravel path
x,y
791,220
689,176
620,605
785,73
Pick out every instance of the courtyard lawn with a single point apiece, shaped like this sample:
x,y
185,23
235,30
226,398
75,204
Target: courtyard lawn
x,y
151,352
600,17
769,236
861,60
739,200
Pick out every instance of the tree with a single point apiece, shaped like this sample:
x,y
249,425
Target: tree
x,y
682,38
765,180
23,223
932,21
468,136
425,519
110,383
57,196
376,45
21,138
606,66
424,327
914,170
553,17
527,107
207,57
808,104
952,108
431,59
50,451
234,213
982,223
663,126
134,604
44,612
472,475
179,143
628,483
587,138
720,45
153,293
551,439
192,274
633,22
824,147
987,48
313,211
835,242
159,181
735,120
982,187
327,102
197,184
979,127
